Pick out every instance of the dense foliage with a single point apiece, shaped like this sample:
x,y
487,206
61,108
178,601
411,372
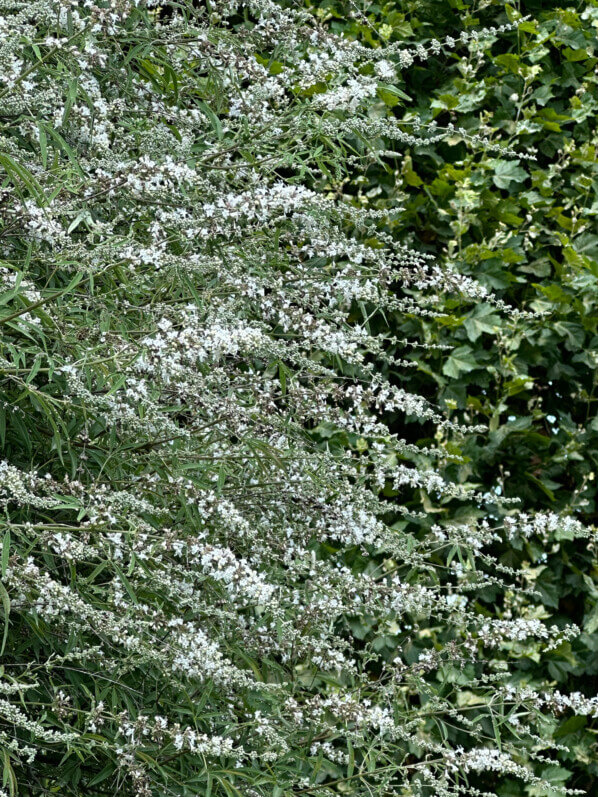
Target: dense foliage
x,y
286,327
527,230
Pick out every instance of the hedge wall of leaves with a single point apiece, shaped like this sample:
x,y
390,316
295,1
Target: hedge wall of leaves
x,y
527,230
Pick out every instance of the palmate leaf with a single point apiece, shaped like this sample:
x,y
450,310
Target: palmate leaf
x,y
461,360
483,319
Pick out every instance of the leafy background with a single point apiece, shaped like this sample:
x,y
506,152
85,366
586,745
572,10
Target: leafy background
x,y
527,230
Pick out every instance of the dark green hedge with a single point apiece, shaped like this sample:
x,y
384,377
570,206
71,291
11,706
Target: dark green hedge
x,y
528,231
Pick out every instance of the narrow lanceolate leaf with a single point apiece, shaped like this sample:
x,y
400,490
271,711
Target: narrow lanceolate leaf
x,y
5,552
4,597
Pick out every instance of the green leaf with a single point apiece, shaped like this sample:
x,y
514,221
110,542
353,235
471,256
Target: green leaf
x,y
483,319
394,90
576,55
282,376
6,610
64,146
214,120
460,361
43,145
506,172
126,583
556,774
573,333
571,725
8,774
590,622
5,552
103,774
17,170
70,100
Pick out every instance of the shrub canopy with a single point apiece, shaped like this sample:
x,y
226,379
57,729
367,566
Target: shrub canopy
x,y
229,565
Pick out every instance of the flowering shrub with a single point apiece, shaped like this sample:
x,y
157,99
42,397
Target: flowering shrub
x,y
223,570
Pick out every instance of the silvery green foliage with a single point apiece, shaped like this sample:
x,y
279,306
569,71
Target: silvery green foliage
x,y
195,582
